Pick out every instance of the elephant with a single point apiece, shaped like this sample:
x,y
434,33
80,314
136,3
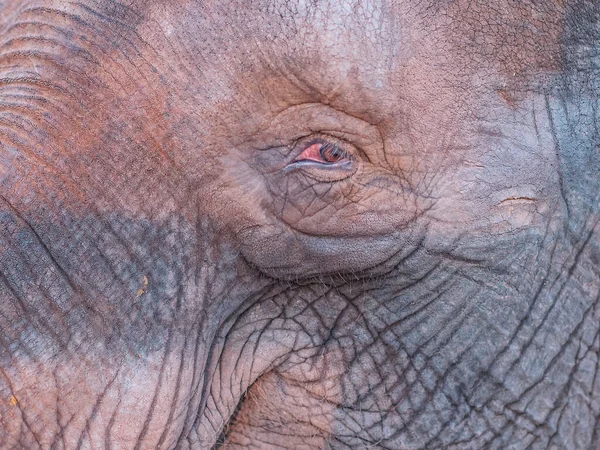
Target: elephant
x,y
303,224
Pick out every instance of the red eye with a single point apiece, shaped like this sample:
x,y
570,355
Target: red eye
x,y
324,153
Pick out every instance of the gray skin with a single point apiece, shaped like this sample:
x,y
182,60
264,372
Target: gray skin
x,y
175,272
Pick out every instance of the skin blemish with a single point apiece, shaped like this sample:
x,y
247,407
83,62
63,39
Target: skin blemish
x,y
141,291
507,97
474,164
518,200
520,211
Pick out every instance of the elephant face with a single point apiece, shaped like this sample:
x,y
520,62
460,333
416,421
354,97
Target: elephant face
x,y
328,224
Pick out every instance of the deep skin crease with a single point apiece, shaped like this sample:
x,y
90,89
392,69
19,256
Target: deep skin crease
x,y
173,275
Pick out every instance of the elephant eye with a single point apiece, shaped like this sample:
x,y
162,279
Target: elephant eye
x,y
323,153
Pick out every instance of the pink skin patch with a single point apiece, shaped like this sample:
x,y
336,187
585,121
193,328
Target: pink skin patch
x,y
312,153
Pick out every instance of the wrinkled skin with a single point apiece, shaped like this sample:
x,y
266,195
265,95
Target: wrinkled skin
x,y
176,274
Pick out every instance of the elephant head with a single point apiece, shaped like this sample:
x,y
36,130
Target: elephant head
x,y
299,224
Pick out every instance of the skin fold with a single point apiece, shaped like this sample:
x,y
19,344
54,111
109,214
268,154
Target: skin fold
x,y
299,224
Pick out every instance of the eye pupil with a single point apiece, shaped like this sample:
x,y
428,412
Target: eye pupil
x,y
331,153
